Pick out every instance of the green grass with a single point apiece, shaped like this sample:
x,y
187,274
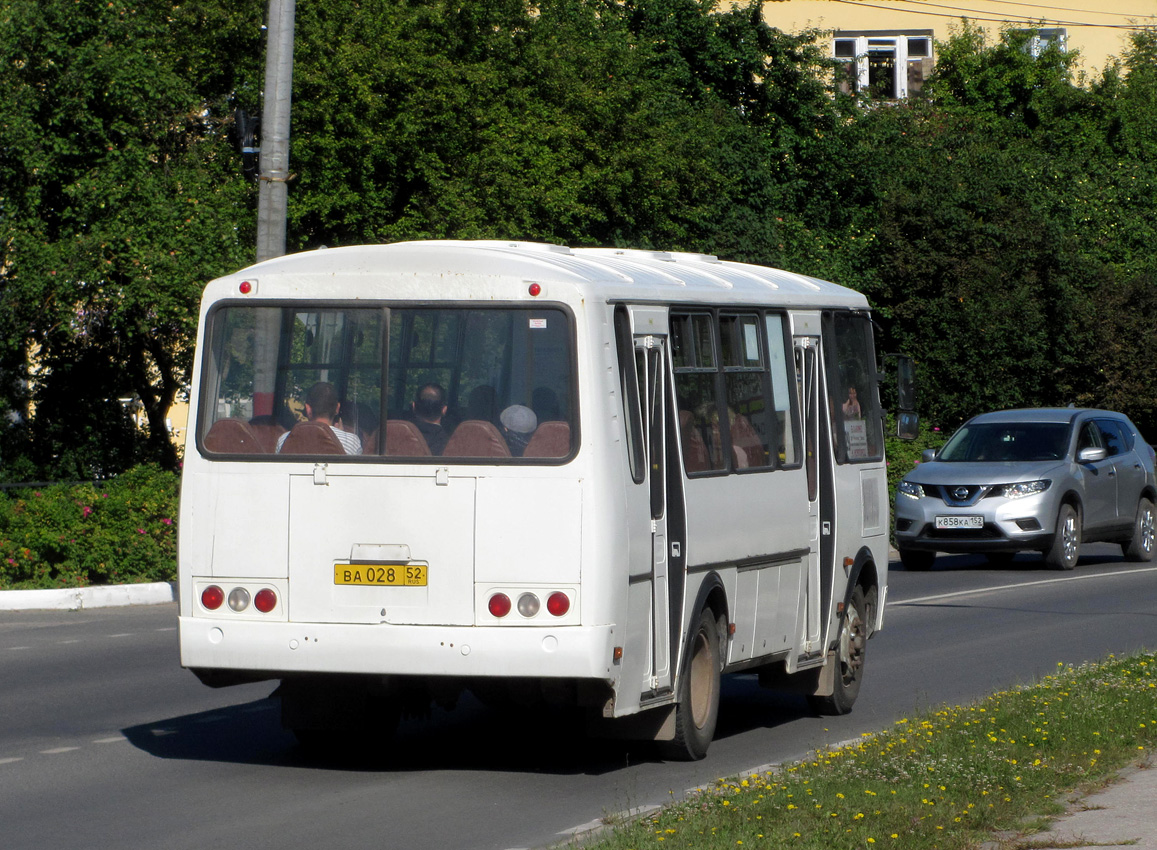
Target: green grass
x,y
950,778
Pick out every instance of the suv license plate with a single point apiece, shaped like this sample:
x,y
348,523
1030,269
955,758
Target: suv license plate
x,y
380,575
960,522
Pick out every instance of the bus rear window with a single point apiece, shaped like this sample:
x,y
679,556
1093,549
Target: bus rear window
x,y
416,383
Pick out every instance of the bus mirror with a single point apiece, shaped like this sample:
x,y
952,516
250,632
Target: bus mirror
x,y
906,382
907,426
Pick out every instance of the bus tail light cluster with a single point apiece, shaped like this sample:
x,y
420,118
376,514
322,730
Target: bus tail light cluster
x,y
558,604
239,599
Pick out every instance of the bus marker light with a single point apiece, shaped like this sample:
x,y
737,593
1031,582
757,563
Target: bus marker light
x,y
528,605
239,599
534,289
212,597
265,600
558,603
245,287
499,605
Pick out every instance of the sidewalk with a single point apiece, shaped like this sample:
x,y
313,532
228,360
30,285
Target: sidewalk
x,y
78,598
1121,815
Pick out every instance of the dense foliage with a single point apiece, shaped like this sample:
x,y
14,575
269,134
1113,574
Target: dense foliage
x,y
79,535
1002,224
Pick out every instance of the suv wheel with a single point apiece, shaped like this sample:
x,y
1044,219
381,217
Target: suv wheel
x,y
1140,547
1066,546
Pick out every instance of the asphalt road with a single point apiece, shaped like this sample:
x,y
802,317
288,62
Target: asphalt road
x,y
105,742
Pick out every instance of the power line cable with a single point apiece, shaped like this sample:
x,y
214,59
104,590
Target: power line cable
x,y
973,15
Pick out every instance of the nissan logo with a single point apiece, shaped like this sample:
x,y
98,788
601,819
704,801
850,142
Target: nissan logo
x,y
960,493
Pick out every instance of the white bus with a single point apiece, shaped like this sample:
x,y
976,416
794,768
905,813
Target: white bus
x,y
597,477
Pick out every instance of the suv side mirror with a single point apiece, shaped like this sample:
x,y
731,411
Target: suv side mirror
x,y
1091,455
927,455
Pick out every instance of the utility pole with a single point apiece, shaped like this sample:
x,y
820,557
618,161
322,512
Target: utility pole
x,y
273,191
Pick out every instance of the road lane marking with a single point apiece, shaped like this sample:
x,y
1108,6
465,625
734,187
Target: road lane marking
x,y
10,760
979,590
58,750
115,740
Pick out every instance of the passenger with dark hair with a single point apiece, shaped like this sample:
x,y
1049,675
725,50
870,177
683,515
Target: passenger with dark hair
x,y
429,407
321,405
359,418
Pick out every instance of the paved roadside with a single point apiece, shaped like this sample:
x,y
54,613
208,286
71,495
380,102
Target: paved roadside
x,y
78,598
1120,815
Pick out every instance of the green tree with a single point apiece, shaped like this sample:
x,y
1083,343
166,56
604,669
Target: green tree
x,y
118,199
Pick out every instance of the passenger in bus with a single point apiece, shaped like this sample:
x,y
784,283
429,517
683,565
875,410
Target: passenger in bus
x,y
544,401
852,405
429,407
482,403
518,425
321,405
361,419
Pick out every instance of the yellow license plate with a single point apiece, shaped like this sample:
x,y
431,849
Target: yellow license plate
x,y
380,575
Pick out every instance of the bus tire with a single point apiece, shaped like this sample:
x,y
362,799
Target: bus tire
x,y
1140,546
1066,546
851,650
697,711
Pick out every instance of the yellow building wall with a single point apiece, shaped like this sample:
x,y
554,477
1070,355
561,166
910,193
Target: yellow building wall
x,y
1099,30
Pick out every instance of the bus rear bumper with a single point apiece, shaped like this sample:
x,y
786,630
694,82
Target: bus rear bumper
x,y
271,650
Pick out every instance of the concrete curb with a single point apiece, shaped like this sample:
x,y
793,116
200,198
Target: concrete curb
x,y
79,598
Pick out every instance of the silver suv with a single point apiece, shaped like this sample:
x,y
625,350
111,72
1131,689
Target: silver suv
x,y
1044,480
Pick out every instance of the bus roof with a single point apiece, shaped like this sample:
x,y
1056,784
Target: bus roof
x,y
607,273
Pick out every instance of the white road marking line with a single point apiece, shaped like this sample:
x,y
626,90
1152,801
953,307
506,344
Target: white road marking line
x,y
115,740
58,750
10,760
123,634
976,591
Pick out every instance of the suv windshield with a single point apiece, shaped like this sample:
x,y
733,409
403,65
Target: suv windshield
x,y
420,383
1007,441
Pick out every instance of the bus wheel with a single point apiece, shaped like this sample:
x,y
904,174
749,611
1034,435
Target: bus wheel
x,y
851,648
698,707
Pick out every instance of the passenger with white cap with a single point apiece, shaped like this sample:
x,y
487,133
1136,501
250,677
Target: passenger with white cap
x,y
518,424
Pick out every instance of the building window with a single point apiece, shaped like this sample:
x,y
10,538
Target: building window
x,y
886,65
1040,39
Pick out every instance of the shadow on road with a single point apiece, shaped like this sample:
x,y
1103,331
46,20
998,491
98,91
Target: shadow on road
x,y
471,737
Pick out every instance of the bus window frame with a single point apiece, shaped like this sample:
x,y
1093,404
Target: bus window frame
x,y
721,370
210,375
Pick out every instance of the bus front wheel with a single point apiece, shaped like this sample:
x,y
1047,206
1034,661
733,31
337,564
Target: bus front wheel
x,y
698,708
851,649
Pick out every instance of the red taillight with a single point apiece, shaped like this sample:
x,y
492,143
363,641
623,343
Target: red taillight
x,y
558,603
499,605
265,600
245,287
534,289
212,597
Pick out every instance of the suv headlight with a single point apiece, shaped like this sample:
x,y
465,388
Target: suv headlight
x,y
1025,488
912,491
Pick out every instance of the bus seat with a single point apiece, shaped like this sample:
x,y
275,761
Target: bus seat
x,y
695,457
476,438
233,437
403,439
552,439
747,445
267,434
311,438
